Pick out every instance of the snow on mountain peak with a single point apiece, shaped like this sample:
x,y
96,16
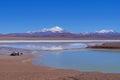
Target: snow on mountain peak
x,y
53,29
106,31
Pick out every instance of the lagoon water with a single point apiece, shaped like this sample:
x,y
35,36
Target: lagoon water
x,y
107,61
44,46
83,60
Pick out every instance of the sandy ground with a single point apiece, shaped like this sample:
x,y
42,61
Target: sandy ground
x,y
21,68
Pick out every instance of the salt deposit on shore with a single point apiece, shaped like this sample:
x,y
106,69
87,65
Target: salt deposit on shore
x,y
27,41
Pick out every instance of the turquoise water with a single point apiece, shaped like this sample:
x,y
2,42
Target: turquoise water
x,y
3,51
83,60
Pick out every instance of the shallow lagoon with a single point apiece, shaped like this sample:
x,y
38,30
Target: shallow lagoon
x,y
44,46
83,60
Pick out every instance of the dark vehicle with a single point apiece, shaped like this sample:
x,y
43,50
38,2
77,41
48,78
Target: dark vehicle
x,y
16,54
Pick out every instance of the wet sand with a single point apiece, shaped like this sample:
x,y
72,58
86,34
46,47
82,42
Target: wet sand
x,y
21,68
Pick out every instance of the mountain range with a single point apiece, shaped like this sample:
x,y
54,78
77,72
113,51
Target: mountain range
x,y
60,33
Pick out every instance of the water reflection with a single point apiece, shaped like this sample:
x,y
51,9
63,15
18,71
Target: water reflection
x,y
83,60
46,46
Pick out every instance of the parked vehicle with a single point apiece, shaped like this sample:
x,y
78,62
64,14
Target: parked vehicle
x,y
16,53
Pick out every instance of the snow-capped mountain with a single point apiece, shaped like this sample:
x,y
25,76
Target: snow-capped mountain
x,y
106,31
60,33
55,29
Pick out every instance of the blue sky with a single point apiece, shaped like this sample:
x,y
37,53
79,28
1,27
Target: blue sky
x,y
73,15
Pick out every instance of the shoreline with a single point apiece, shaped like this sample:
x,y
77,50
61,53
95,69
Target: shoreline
x,y
107,45
21,67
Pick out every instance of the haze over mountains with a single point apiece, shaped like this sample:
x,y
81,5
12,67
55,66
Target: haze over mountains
x,y
60,33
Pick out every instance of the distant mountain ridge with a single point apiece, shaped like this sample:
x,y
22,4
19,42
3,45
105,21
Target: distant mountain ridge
x,y
60,33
